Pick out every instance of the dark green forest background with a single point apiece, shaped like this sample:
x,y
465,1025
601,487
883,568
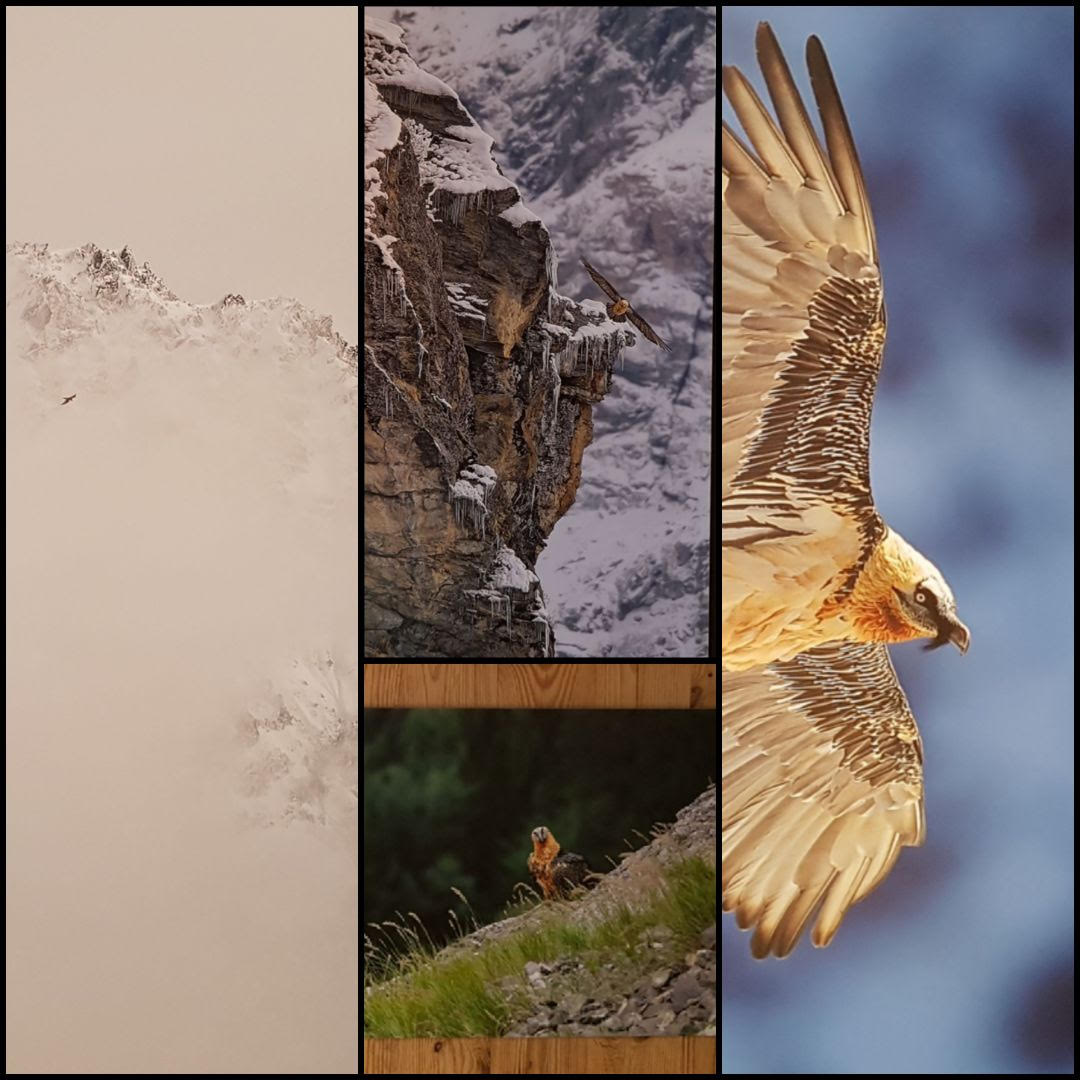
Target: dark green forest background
x,y
450,796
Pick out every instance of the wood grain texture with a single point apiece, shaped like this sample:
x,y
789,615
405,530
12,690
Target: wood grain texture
x,y
659,1056
540,686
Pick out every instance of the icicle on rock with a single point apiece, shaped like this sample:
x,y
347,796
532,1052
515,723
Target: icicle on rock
x,y
469,495
421,352
546,634
455,205
469,511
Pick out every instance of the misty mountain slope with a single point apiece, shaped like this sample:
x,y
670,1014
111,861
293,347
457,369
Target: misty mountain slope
x,y
206,469
181,661
300,760
605,118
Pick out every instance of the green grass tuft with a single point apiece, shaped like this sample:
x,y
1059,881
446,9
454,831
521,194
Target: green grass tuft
x,y
411,990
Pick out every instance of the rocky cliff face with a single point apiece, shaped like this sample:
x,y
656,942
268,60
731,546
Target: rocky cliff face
x,y
605,119
479,378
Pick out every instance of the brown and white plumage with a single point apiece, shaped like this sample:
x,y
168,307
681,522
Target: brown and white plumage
x,y
619,309
822,787
557,872
822,768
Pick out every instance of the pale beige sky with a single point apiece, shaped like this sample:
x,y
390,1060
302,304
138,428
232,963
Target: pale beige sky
x,y
220,143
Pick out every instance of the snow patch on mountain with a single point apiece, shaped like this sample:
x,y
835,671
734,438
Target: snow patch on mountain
x,y
299,761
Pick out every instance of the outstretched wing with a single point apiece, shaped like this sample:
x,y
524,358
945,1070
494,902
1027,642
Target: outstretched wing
x,y
803,320
647,330
822,787
601,280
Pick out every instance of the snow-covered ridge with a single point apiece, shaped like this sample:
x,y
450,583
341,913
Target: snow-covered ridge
x,y
393,66
452,150
67,294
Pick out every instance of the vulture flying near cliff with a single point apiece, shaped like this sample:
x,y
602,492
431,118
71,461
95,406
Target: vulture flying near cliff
x,y
822,764
620,310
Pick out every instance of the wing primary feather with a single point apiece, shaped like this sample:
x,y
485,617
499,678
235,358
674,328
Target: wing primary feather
x,y
788,932
841,896
791,112
760,128
839,140
738,159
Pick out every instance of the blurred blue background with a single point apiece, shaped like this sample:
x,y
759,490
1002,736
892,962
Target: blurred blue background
x,y
962,961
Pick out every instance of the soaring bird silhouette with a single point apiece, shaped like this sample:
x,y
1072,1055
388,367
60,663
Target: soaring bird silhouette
x,y
70,397
620,310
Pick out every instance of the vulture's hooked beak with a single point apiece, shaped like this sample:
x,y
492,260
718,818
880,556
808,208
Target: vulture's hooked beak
x,y
951,629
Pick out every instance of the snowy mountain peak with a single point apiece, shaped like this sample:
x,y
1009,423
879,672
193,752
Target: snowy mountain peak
x,y
64,295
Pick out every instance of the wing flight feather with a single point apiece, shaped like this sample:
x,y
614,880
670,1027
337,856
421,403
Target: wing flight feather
x,y
600,280
793,117
839,140
822,787
803,315
647,330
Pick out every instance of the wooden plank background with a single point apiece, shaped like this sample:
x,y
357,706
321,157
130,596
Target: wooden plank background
x,y
541,686
654,1056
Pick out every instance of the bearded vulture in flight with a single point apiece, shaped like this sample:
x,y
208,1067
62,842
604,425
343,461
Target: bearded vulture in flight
x,y
822,764
620,309
70,397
